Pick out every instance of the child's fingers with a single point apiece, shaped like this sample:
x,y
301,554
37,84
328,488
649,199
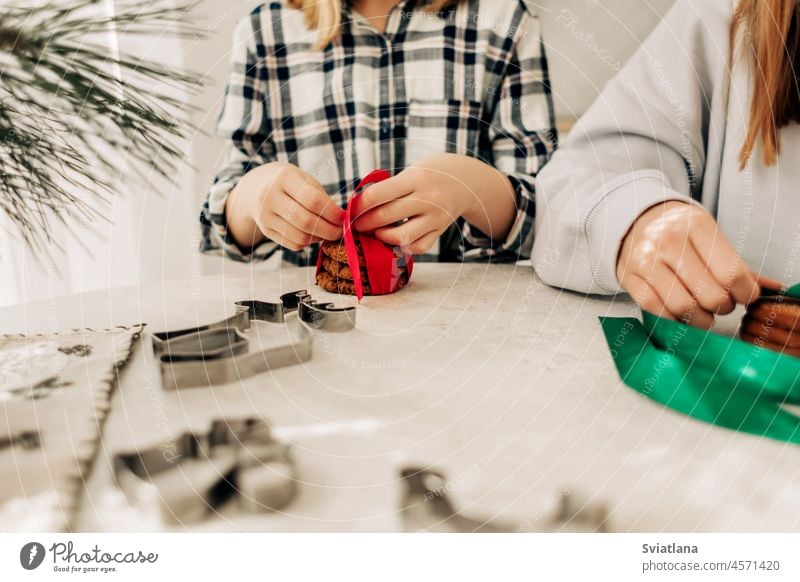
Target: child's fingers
x,y
404,235
279,239
310,194
288,235
318,203
305,220
317,226
424,244
381,193
387,214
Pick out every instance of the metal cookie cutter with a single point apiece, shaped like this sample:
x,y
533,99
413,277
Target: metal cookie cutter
x,y
196,474
220,353
28,440
427,506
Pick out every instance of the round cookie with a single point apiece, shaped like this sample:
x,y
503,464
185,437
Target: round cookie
x,y
340,270
333,284
773,322
335,250
760,342
335,275
328,282
773,334
784,313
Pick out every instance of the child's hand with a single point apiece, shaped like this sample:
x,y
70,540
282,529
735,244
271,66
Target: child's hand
x,y
283,203
412,209
676,264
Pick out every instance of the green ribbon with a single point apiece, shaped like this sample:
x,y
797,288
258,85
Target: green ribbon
x,y
712,378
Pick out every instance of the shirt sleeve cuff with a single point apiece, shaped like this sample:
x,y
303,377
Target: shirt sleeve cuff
x,y
216,237
609,221
519,241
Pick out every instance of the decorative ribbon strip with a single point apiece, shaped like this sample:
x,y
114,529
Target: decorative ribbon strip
x,y
723,381
380,261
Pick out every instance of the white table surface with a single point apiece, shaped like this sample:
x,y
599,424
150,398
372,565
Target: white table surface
x,y
480,371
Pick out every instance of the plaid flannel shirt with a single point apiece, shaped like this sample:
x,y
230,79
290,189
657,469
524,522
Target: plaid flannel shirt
x,y
471,80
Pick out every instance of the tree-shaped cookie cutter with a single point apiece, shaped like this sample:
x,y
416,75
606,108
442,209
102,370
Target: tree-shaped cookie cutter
x,y
193,475
220,353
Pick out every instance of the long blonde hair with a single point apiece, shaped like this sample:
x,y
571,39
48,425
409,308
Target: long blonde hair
x,y
326,16
770,36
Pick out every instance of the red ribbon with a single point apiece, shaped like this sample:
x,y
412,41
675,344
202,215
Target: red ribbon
x,y
381,262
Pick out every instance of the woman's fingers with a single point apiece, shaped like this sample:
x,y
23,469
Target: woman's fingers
x,y
769,283
700,282
645,295
677,299
677,251
727,267
388,214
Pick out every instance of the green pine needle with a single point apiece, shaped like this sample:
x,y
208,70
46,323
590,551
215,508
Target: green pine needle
x,y
69,111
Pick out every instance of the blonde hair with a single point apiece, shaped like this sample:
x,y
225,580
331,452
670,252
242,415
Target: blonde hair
x,y
326,16
770,35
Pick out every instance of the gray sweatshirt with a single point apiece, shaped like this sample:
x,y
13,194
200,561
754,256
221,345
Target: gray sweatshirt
x,y
670,126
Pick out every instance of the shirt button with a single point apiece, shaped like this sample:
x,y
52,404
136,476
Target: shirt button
x,y
386,128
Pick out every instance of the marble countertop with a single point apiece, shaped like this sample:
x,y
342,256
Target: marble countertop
x,y
480,371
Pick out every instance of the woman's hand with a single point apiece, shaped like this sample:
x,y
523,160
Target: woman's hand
x,y
281,202
676,264
412,209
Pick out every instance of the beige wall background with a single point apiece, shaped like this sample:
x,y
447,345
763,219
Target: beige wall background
x,y
153,233
587,41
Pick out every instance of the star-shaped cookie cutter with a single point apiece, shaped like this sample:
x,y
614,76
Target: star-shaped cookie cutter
x,y
193,475
220,353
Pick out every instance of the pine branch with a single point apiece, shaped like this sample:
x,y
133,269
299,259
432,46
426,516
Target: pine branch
x,y
69,111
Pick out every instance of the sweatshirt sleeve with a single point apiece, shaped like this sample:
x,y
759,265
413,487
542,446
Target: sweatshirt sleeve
x,y
644,141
